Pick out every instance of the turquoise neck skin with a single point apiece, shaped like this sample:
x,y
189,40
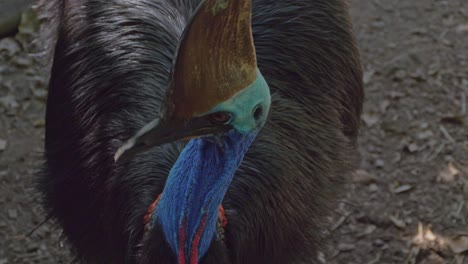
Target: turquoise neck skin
x,y
199,179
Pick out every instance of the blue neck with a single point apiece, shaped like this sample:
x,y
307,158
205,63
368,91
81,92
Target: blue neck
x,y
194,190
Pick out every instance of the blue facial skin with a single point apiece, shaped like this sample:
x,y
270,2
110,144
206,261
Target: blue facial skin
x,y
204,170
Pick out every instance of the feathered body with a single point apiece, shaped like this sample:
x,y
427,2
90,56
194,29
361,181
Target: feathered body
x,y
111,67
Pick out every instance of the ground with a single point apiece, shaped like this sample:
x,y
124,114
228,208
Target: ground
x,y
406,204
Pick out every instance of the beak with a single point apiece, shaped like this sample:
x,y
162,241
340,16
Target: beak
x,y
160,131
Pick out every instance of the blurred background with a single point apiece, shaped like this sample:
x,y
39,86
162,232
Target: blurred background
x,y
408,203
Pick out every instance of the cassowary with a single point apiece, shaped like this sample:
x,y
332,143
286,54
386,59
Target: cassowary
x,y
198,131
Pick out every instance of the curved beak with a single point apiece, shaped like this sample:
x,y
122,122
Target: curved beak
x,y
159,132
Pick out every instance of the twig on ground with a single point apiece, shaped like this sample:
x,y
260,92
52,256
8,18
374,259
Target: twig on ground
x,y
434,155
446,134
340,221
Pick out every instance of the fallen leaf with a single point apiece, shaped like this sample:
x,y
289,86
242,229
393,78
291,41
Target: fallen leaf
x,y
458,244
39,123
344,247
448,174
369,229
419,238
397,222
370,119
425,134
411,148
362,176
403,188
429,235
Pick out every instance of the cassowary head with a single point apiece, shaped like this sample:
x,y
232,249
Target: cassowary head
x,y
215,85
218,98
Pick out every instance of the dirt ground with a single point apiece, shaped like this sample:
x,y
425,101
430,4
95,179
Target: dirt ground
x,y
407,202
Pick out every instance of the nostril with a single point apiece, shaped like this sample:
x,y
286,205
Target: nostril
x,y
257,113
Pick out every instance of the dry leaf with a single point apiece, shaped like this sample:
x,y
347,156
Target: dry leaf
x,y
403,188
370,119
458,244
39,123
429,235
425,134
448,174
419,238
397,222
369,229
413,147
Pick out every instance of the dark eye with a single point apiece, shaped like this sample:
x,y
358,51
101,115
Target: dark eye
x,y
257,113
220,118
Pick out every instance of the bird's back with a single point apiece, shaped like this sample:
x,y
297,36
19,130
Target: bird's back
x,y
108,79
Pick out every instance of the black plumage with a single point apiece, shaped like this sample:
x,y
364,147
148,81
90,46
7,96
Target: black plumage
x,y
111,65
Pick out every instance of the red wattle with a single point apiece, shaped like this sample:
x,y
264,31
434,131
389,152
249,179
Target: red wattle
x,y
182,243
196,242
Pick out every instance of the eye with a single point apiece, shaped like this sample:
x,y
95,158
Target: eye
x,y
257,113
220,118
